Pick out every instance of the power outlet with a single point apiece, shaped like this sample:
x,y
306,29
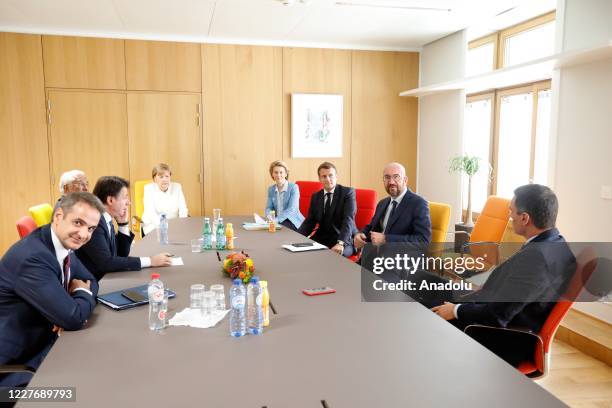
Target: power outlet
x,y
606,192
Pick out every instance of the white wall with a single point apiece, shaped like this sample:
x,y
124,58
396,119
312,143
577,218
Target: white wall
x,y
582,121
584,151
586,23
441,123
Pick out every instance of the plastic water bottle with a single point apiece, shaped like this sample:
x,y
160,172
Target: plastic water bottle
x,y
206,234
163,230
157,313
237,312
221,240
254,311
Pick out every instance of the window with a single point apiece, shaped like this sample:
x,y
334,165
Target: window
x,y
481,56
527,41
477,142
514,151
529,45
509,128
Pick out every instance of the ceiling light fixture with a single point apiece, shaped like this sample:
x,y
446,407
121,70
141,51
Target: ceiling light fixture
x,y
391,6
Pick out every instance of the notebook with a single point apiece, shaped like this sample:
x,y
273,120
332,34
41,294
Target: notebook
x,y
115,300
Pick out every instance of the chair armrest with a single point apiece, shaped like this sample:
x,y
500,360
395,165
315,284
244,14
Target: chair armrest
x,y
15,368
473,328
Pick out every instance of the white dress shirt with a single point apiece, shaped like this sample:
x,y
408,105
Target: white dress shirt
x,y
398,199
156,202
61,253
331,197
145,261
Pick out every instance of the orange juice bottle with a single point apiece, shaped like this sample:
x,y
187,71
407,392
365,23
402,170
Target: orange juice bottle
x,y
229,236
271,221
265,302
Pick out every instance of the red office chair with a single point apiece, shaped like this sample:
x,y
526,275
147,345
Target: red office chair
x,y
307,189
366,206
539,365
25,225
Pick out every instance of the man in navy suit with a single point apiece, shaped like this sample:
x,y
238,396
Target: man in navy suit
x,y
108,251
521,291
401,217
44,289
333,208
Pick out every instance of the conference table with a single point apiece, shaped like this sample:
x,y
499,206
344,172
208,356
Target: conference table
x,y
331,351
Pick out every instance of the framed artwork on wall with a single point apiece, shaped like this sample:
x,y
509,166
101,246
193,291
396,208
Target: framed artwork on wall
x,y
316,125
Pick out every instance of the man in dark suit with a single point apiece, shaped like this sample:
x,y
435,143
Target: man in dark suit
x,y
333,209
108,251
521,291
44,289
401,217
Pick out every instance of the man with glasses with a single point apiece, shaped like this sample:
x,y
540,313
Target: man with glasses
x,y
401,217
72,181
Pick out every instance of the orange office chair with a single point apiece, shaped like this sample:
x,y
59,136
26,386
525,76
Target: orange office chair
x,y
307,189
539,365
25,225
488,231
366,206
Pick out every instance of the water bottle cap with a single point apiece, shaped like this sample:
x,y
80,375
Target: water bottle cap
x,y
163,215
263,284
237,281
155,275
255,279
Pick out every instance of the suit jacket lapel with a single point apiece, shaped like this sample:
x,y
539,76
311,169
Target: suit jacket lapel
x,y
398,210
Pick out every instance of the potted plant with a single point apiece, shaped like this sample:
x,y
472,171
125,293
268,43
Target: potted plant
x,y
468,165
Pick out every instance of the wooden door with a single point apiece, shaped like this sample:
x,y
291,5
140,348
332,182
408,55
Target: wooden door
x,y
88,131
165,128
23,135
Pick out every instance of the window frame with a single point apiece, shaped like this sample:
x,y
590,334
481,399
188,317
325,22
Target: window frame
x,y
518,29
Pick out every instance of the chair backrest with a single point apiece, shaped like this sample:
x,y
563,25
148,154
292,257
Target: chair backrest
x,y
366,206
440,218
41,214
139,196
586,262
491,223
25,225
307,189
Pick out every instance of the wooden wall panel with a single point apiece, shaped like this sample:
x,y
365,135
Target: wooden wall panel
x,y
163,66
384,124
242,125
23,135
165,128
307,70
88,131
79,62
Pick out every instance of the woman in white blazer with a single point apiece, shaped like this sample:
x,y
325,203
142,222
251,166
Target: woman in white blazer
x,y
162,197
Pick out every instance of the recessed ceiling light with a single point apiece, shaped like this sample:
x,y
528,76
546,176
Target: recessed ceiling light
x,y
389,5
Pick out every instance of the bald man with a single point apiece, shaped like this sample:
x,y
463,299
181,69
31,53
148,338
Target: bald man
x,y
403,216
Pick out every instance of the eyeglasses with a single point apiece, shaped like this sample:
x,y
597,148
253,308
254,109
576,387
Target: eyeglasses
x,y
395,177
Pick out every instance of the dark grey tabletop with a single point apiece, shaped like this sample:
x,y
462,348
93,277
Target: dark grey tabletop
x,y
333,348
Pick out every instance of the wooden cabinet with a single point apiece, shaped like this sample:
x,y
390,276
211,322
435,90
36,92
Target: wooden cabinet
x,y
242,125
383,122
163,66
165,128
88,131
79,62
23,135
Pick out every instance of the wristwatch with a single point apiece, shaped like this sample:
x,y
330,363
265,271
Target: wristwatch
x,y
341,243
123,224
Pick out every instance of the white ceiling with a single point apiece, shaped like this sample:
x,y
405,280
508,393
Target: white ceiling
x,y
318,23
